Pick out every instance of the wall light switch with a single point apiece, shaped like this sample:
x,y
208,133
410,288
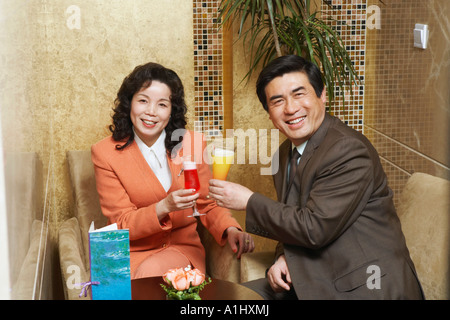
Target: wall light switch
x,y
421,34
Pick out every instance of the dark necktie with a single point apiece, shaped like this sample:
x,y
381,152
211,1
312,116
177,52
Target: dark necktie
x,y
293,164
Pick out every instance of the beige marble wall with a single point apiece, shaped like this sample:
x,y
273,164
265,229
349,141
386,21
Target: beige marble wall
x,y
89,64
63,62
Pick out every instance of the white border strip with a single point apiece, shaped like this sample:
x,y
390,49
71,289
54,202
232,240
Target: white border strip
x,y
409,148
396,166
40,265
5,285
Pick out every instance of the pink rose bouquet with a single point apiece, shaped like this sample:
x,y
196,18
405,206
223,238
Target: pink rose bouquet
x,y
184,284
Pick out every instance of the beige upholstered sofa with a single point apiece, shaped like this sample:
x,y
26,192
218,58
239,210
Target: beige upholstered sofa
x,y
73,233
424,212
26,230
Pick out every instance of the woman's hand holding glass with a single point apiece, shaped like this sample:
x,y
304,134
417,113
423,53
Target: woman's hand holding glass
x,y
176,200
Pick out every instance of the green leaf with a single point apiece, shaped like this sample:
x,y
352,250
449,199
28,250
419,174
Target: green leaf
x,y
263,23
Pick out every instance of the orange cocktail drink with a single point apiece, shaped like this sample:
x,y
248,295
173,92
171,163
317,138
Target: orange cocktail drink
x,y
222,160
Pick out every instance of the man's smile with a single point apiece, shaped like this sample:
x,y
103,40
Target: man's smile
x,y
296,120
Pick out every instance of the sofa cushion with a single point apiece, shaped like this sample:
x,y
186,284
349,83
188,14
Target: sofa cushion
x,y
221,261
27,285
255,264
87,203
424,213
24,190
72,259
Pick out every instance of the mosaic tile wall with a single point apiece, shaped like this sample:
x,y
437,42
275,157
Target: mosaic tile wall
x,y
348,18
403,104
208,73
210,111
407,105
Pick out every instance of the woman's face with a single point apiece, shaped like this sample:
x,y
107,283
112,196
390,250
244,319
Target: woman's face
x,y
150,111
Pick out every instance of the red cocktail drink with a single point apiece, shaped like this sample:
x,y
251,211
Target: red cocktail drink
x,y
191,180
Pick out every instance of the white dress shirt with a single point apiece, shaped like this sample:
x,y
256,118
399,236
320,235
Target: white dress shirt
x,y
300,150
156,157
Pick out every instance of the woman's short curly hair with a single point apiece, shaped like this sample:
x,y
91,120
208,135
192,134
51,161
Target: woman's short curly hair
x,y
142,77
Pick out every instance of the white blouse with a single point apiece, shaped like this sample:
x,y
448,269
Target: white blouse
x,y
156,157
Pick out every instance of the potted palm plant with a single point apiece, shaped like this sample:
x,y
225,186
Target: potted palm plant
x,y
272,28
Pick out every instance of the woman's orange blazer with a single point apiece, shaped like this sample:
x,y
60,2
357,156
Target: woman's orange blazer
x,y
129,191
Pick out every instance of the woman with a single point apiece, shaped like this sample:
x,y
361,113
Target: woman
x,y
137,171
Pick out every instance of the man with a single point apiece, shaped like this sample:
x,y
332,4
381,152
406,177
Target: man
x,y
338,231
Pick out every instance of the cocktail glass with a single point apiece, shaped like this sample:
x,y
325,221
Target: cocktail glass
x,y
222,160
191,181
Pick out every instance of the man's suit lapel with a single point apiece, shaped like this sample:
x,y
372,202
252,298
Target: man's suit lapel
x,y
288,183
280,179
293,190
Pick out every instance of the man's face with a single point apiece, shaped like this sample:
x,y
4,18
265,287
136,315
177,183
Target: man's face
x,y
294,107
